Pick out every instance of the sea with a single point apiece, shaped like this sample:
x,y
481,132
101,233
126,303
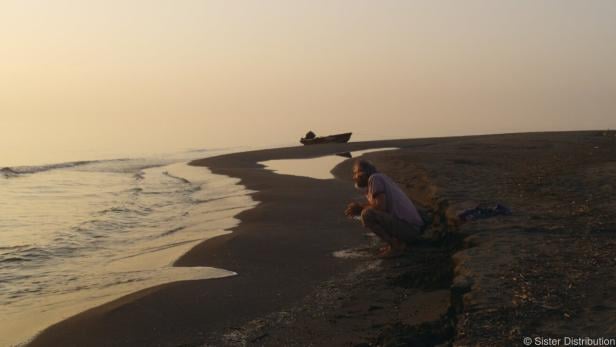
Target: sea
x,y
76,235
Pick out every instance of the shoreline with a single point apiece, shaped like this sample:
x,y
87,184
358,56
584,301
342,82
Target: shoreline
x,y
282,250
195,257
142,261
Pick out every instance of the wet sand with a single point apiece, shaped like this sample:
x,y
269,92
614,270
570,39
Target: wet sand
x,y
545,270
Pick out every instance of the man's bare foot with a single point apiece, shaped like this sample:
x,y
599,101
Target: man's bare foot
x,y
383,250
391,253
399,246
395,249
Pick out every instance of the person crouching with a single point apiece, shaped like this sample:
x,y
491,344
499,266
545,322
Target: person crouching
x,y
388,212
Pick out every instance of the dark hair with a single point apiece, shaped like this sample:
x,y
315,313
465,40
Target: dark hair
x,y
366,167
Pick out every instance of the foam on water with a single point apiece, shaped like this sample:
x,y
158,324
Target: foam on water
x,y
77,236
22,170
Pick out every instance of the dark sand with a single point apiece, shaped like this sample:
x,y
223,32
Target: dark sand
x,y
546,270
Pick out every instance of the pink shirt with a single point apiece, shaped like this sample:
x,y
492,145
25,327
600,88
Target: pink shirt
x,y
398,204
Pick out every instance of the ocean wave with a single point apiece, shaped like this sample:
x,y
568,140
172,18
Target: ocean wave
x,y
6,248
23,170
135,166
125,210
172,231
139,175
182,179
7,172
25,253
135,190
121,165
13,260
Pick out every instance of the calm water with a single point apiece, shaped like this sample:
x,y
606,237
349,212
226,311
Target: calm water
x,y
318,168
76,235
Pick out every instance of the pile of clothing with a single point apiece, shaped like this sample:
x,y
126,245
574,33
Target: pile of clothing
x,y
483,212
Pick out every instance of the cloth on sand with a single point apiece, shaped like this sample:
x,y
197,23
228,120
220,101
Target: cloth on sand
x,y
483,212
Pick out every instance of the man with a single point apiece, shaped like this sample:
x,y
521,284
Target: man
x,y
389,213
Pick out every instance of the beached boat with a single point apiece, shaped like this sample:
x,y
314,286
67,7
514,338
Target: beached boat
x,y
337,138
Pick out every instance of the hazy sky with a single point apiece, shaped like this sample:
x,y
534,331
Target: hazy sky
x,y
85,79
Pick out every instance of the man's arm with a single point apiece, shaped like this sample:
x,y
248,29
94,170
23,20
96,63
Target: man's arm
x,y
379,202
376,193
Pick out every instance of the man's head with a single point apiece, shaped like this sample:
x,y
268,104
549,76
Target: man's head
x,y
362,170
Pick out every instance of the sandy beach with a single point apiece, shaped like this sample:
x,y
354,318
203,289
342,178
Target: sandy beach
x,y
308,276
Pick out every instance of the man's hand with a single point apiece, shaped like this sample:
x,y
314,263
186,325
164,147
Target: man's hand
x,y
353,209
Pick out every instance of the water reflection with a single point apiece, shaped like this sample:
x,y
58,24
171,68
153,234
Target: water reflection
x,y
318,168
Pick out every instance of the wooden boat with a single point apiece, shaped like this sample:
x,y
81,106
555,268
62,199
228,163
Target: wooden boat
x,y
338,138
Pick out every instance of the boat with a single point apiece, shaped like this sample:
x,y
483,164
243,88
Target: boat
x,y
311,139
